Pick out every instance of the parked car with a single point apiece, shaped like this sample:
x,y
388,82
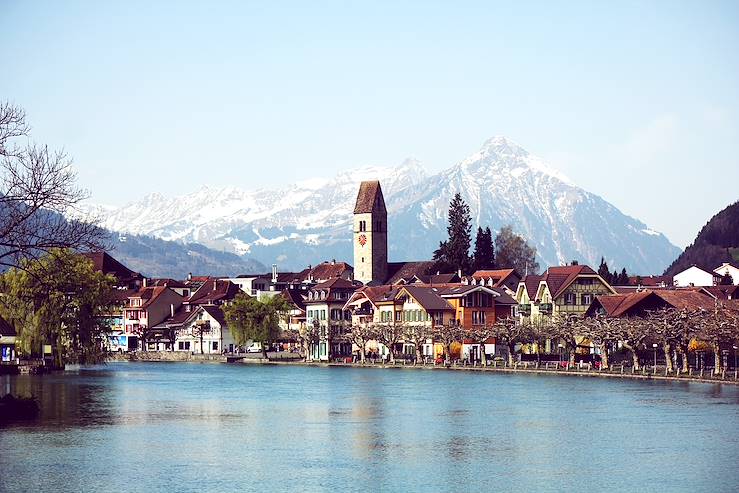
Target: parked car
x,y
256,347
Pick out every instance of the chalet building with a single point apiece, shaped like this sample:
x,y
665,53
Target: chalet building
x,y
560,291
197,329
213,292
373,304
723,293
296,317
637,304
7,342
695,276
324,307
507,279
146,308
478,306
730,270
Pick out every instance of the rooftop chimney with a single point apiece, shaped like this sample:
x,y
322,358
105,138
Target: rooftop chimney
x,y
171,310
274,273
214,284
144,282
189,276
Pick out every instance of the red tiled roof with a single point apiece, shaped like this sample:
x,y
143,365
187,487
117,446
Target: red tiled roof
x,y
170,283
427,297
498,276
335,283
213,291
531,282
723,292
617,305
149,294
650,280
369,198
405,271
560,277
295,297
327,270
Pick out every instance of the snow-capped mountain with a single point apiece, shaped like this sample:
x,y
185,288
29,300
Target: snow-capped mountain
x,y
311,221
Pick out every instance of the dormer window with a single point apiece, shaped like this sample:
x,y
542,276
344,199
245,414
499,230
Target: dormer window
x,y
569,298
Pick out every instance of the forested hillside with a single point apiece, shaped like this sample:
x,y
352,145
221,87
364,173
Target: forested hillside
x,y
717,242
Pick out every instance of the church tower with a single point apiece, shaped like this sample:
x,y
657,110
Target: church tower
x,y
370,234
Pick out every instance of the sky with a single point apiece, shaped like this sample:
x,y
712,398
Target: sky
x,y
637,102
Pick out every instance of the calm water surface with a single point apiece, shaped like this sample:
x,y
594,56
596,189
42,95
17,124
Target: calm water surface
x,y
214,427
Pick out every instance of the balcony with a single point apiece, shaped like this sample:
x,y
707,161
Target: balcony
x,y
524,310
545,308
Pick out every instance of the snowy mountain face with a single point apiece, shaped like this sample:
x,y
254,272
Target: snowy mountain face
x,y
311,221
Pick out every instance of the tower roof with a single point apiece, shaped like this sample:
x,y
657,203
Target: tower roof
x,y
370,198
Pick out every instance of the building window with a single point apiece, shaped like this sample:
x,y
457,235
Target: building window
x,y
569,298
323,314
215,345
362,226
478,318
586,299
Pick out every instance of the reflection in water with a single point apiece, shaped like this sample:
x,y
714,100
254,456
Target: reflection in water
x,y
185,427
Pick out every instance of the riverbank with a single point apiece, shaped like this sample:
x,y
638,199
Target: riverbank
x,y
617,371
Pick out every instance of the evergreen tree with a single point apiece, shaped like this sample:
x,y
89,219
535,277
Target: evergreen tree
x,y
623,278
454,253
604,272
614,277
484,256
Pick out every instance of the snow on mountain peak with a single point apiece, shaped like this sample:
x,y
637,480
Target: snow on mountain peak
x,y
499,153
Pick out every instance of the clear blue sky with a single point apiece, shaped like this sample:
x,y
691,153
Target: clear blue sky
x,y
635,101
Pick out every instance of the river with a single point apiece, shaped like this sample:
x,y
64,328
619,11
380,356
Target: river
x,y
155,427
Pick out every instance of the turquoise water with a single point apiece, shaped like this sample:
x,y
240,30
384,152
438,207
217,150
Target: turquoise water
x,y
215,427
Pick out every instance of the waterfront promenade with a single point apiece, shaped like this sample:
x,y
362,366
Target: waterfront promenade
x,y
730,377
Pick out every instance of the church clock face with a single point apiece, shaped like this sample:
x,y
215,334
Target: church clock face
x,y
362,239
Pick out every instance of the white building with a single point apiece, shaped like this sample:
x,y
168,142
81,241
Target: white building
x,y
730,269
199,329
695,276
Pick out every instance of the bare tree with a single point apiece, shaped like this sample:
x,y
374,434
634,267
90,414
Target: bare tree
x,y
390,334
447,334
419,333
360,335
37,189
512,333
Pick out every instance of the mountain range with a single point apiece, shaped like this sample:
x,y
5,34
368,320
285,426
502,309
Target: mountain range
x,y
311,221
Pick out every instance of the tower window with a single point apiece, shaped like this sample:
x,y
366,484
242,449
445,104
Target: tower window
x,y
362,225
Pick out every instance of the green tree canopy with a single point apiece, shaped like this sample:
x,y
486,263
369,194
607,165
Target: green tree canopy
x,y
61,300
454,253
484,255
512,251
252,320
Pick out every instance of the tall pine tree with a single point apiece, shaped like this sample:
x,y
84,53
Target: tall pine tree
x,y
604,272
454,253
484,255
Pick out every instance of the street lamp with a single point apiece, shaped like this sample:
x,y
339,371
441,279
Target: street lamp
x,y
655,354
561,352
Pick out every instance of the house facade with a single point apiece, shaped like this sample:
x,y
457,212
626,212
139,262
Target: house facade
x,y
146,308
560,291
728,269
695,276
198,329
324,308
